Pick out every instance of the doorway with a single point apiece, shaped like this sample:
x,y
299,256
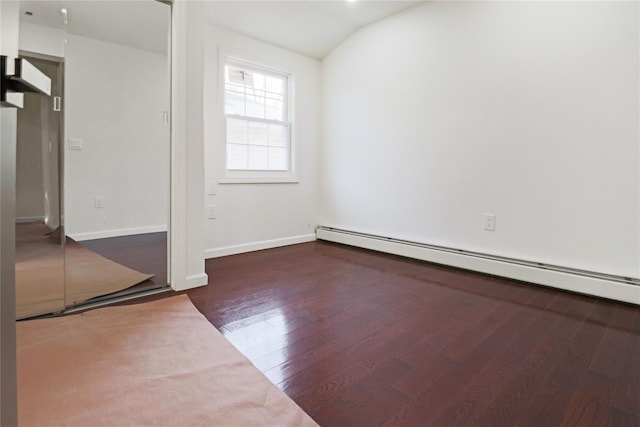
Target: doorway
x,y
39,244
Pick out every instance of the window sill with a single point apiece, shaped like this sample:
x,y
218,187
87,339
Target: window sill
x,y
256,180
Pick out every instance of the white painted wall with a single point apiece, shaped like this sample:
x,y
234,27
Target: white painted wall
x,y
41,39
187,231
258,216
114,104
527,110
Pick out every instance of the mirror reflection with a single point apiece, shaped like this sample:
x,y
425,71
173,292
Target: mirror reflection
x,y
39,243
102,189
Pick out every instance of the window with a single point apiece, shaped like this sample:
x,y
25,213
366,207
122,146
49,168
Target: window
x,y
257,120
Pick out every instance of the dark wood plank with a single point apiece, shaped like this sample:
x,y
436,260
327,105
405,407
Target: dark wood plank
x,y
547,408
357,338
543,325
338,409
609,355
307,352
627,393
619,418
573,366
577,311
330,376
472,400
516,396
500,338
471,338
433,366
590,403
433,398
376,410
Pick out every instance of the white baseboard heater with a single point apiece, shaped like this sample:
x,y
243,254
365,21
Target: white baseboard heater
x,y
614,287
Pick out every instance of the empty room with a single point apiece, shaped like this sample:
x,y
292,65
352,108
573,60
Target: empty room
x,y
336,213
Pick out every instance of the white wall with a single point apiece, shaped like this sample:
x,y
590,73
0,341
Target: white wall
x,y
527,110
115,99
187,233
257,216
41,39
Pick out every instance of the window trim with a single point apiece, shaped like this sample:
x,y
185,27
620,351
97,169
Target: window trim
x,y
242,176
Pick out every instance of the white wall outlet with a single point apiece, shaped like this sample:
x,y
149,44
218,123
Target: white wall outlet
x,y
490,222
75,144
99,202
211,188
211,211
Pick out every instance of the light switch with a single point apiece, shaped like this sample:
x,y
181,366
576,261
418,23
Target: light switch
x,y
211,189
211,211
75,144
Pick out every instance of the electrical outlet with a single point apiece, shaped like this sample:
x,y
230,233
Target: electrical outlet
x,y
490,222
211,211
99,202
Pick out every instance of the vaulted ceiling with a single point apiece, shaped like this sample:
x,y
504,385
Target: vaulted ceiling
x,y
310,27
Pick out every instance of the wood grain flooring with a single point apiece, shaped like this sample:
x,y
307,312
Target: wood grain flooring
x,y
146,253
359,338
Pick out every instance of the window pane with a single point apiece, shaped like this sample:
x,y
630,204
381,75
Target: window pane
x,y
278,158
275,110
259,94
258,81
255,107
276,135
234,103
254,96
273,97
258,157
236,156
237,131
258,134
275,84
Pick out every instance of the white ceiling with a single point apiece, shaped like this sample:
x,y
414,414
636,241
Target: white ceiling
x,y
310,27
143,24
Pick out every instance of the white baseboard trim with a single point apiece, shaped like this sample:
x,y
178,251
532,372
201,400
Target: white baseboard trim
x,y
190,282
26,219
79,237
600,287
257,246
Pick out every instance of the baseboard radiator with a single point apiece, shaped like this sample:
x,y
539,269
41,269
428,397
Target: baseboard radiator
x,y
614,287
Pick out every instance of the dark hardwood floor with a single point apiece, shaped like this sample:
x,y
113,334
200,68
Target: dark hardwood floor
x,y
359,338
146,253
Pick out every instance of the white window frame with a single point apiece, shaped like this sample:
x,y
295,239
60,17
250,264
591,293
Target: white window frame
x,y
233,176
